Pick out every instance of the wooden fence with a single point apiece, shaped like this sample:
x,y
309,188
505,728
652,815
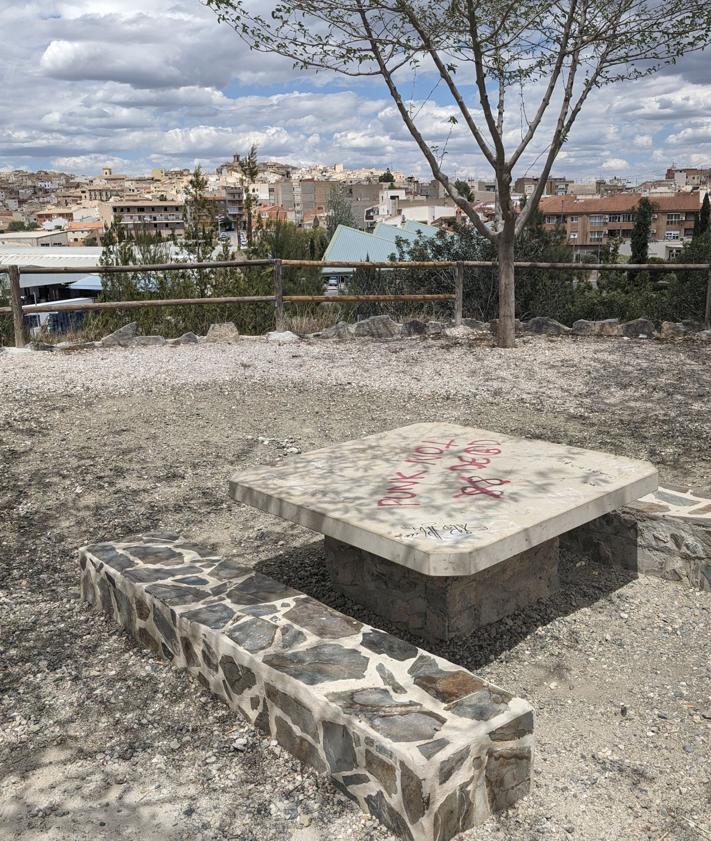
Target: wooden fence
x,y
279,299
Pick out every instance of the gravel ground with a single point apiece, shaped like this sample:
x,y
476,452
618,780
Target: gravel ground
x,y
98,739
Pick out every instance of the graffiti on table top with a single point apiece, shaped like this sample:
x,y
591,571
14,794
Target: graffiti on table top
x,y
476,456
442,531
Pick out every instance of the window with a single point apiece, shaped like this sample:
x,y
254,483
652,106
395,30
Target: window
x,y
673,218
671,235
573,219
573,235
551,220
621,217
596,236
598,219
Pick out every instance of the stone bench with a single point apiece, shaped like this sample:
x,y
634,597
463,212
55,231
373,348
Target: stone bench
x,y
426,747
666,534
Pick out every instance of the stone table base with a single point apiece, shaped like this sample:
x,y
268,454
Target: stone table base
x,y
442,607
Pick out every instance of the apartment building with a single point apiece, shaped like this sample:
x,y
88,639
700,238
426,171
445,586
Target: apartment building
x,y
526,186
690,176
150,216
591,222
83,233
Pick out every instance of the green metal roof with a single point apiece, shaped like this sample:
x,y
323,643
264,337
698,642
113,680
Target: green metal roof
x,y
393,232
351,245
425,229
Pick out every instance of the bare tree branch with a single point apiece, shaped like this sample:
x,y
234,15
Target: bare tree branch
x,y
462,203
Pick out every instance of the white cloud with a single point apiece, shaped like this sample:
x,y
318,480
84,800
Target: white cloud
x,y
615,165
140,84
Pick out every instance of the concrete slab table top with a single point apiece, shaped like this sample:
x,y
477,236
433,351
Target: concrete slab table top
x,y
445,499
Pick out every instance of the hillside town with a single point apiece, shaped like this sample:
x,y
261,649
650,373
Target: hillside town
x,y
50,209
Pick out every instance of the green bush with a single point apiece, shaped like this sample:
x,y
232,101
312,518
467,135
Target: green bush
x,y
561,294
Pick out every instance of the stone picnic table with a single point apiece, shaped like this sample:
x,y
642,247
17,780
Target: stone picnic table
x,y
442,528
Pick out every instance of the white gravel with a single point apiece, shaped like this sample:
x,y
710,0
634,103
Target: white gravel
x,y
100,740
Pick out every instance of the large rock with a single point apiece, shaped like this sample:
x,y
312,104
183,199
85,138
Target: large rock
x,y
226,333
377,327
73,347
608,327
703,336
673,330
147,341
640,328
340,331
185,339
475,324
283,337
434,328
414,327
543,324
459,332
121,337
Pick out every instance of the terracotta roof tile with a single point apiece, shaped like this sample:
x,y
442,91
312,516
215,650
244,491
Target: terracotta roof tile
x,y
620,203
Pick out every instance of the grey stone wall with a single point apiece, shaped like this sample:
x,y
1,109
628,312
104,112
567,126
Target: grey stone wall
x,y
428,748
442,607
666,534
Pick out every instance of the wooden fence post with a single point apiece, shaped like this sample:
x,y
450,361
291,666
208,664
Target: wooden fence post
x,y
458,293
279,295
707,314
16,304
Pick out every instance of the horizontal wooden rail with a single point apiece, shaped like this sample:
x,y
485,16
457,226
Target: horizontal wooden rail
x,y
336,264
153,267
68,306
348,299
606,267
367,264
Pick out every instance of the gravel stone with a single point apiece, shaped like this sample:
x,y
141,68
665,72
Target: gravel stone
x,y
151,435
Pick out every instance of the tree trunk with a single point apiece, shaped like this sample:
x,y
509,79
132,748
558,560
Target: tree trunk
x,y
506,334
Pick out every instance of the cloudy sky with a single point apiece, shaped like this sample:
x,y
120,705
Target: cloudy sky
x,y
145,83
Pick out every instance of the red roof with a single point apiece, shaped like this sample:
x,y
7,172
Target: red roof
x,y
619,203
83,226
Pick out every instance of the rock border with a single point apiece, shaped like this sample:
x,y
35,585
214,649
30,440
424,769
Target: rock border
x,y
383,328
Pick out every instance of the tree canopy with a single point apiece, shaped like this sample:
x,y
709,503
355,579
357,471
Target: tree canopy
x,y
514,74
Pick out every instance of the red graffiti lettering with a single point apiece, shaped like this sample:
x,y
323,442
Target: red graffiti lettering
x,y
475,486
470,463
416,477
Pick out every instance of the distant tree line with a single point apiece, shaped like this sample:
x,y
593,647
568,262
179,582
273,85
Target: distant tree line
x,y
561,294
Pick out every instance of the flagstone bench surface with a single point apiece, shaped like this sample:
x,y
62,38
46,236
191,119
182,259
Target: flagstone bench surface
x,y
425,746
